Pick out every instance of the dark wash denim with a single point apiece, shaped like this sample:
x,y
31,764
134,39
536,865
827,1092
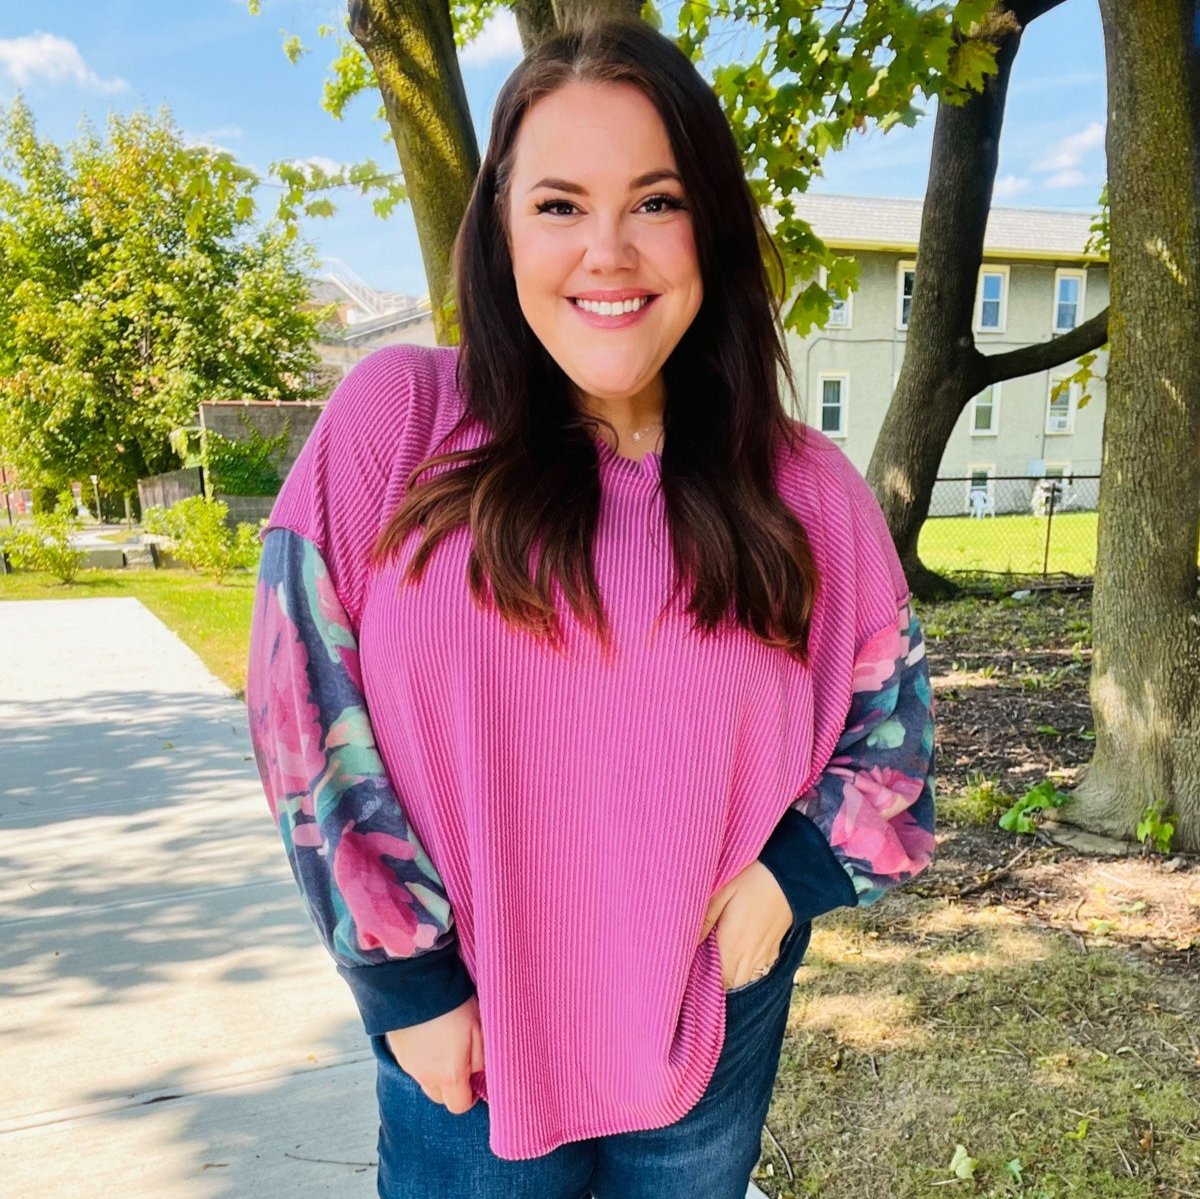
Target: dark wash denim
x,y
427,1152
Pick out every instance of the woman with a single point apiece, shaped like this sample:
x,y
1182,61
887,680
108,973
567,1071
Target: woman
x,y
572,732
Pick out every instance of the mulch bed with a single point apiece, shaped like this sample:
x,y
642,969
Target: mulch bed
x,y
1010,680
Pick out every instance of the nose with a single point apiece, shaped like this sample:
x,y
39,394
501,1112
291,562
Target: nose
x,y
609,246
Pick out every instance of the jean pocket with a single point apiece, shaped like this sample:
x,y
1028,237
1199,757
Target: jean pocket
x,y
784,946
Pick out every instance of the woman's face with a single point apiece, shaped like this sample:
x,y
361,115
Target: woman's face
x,y
597,213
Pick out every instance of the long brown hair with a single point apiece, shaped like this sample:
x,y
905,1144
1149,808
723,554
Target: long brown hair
x,y
533,490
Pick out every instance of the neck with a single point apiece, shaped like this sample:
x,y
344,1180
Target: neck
x,y
637,420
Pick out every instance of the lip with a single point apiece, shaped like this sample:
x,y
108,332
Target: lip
x,y
620,321
612,296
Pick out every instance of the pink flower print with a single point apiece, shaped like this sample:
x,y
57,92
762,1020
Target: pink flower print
x,y
284,723
338,624
863,828
876,662
383,908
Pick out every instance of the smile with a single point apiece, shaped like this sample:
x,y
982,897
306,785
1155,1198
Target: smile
x,y
616,314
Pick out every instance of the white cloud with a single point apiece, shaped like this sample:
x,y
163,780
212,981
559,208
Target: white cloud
x,y
1068,178
498,40
222,131
1071,150
1009,186
320,163
54,59
213,139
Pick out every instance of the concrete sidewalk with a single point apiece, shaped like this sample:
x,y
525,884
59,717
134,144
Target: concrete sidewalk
x,y
170,1027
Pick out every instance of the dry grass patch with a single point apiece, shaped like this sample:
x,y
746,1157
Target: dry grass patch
x,y
1062,1070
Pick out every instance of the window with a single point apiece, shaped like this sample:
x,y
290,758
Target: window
x,y
985,412
840,313
991,305
1060,410
906,277
1068,299
1057,470
833,404
980,499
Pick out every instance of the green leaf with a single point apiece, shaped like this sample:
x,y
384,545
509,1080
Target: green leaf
x,y
294,48
962,1165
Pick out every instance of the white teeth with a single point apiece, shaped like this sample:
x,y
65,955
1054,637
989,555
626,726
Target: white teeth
x,y
617,308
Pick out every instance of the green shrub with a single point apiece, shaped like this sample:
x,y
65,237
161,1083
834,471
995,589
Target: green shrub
x,y
201,539
46,545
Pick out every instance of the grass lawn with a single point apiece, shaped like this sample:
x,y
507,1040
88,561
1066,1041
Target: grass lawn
x,y
1010,544
214,620
1062,1066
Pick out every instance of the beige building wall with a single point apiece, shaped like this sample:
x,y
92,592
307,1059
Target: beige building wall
x,y
862,362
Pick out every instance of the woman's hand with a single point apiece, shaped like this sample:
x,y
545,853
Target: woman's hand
x,y
442,1054
752,915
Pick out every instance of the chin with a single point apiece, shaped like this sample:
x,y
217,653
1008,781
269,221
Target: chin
x,y
609,387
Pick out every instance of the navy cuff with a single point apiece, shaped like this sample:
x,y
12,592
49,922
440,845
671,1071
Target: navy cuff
x,y
805,867
409,991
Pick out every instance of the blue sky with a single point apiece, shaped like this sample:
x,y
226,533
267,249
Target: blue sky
x,y
223,74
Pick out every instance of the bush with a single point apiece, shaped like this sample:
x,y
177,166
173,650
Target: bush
x,y
201,539
47,545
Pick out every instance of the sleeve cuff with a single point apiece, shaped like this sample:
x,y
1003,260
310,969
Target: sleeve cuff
x,y
806,869
408,991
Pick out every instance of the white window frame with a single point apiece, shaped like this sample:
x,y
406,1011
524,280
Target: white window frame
x,y
994,431
843,377
1074,393
901,269
847,304
1002,271
1059,275
1060,465
974,469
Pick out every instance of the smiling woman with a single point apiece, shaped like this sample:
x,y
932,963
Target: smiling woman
x,y
621,240
568,745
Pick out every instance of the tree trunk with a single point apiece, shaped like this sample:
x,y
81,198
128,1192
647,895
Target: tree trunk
x,y
1145,684
942,367
410,43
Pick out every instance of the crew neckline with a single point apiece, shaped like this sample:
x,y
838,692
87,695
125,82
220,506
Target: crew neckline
x,y
648,466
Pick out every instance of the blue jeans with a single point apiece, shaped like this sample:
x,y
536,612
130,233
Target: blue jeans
x,y
427,1152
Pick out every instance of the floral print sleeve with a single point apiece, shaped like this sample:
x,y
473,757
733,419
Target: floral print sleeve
x,y
371,891
866,824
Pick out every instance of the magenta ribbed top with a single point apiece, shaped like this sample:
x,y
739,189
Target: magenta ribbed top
x,y
582,811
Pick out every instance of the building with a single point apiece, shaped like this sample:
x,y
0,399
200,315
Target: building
x,y
363,319
1037,281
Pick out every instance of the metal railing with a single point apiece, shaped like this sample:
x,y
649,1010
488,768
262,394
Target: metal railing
x,y
1013,525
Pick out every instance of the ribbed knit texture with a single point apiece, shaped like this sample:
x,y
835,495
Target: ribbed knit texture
x,y
582,812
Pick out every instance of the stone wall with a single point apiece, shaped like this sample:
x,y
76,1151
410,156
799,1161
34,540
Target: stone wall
x,y
248,508
229,418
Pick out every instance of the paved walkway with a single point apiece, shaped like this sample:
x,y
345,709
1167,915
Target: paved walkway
x,y
169,1026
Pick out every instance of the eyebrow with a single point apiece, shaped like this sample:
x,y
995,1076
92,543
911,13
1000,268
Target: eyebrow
x,y
564,185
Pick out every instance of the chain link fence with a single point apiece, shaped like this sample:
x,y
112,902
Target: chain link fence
x,y
1024,526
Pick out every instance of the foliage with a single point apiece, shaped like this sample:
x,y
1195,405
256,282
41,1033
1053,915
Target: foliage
x,y
201,539
244,466
46,545
1156,825
133,285
1021,817
820,75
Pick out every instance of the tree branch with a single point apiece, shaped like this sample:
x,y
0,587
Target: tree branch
x,y
1091,335
1029,10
